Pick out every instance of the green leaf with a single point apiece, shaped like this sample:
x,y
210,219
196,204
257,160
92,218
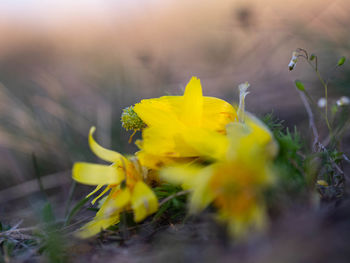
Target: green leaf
x,y
161,210
47,213
299,85
312,57
75,210
341,61
334,109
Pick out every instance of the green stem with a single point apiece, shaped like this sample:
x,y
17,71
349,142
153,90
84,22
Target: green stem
x,y
325,85
38,176
314,104
70,197
326,97
124,225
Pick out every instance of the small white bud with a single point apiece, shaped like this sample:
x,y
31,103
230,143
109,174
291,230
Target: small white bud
x,y
322,103
343,101
293,61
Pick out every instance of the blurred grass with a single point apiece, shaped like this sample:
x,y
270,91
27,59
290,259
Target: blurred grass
x,y
55,85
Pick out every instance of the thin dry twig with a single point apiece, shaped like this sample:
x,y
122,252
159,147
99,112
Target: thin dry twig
x,y
311,120
346,158
185,192
25,229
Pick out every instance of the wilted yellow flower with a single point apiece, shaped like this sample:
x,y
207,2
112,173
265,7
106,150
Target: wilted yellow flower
x,y
171,119
234,183
124,181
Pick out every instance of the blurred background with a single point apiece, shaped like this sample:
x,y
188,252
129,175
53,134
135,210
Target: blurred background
x,y
68,65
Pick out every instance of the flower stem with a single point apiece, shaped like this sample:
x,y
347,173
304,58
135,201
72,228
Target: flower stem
x,y
325,85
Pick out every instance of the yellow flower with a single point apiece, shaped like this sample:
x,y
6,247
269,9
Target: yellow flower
x,y
171,120
238,187
124,181
235,187
236,179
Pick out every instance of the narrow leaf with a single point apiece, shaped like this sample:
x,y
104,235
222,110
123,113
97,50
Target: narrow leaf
x,y
75,210
299,85
341,61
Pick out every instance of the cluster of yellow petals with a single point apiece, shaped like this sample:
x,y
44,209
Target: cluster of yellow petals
x,y
124,181
198,142
174,121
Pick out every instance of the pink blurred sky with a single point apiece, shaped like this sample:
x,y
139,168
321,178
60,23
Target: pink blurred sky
x,y
49,12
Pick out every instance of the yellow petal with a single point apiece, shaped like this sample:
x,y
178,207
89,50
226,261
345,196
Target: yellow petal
x,y
193,103
181,175
240,226
116,202
159,111
120,199
103,153
169,110
195,178
96,225
250,138
155,162
167,142
216,114
171,118
105,217
202,195
97,174
143,201
207,143
152,161
262,134
108,214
